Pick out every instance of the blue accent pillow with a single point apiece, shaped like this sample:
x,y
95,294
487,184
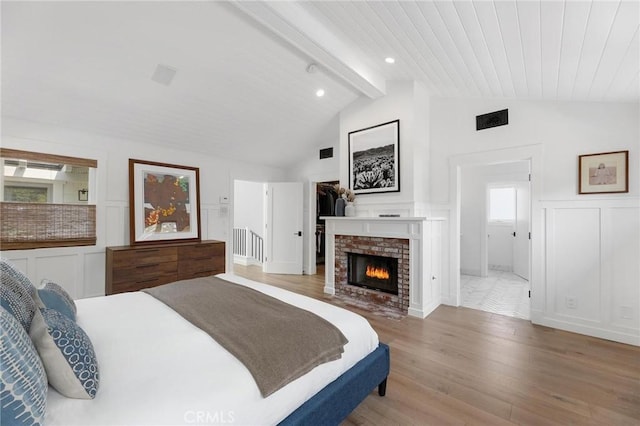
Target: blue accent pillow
x,y
23,382
67,354
17,300
8,269
53,296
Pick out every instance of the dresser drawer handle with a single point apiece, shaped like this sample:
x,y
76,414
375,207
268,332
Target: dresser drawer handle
x,y
146,281
153,265
148,251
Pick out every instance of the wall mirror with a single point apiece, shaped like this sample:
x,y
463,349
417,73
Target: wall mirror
x,y
46,200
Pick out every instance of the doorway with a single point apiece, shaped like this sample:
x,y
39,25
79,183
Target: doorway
x,y
267,226
470,233
325,202
489,219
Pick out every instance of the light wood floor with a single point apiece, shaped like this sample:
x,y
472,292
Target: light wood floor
x,y
463,366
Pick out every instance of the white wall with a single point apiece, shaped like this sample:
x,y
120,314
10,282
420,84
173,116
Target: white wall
x,y
248,206
564,129
586,246
407,101
81,270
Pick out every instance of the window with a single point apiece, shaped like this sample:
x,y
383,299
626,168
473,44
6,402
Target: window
x,y
502,204
26,194
46,200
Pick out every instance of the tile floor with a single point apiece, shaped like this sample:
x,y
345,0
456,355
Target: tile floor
x,y
501,293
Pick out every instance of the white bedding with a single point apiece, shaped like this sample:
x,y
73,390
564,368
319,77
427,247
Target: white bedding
x,y
158,369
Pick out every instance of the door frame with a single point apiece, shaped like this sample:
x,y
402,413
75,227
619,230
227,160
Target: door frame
x,y
533,153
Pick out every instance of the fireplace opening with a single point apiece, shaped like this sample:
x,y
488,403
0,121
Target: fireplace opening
x,y
374,272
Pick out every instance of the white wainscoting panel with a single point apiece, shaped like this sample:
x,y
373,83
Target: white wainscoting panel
x,y
65,270
622,260
575,262
592,269
115,224
94,274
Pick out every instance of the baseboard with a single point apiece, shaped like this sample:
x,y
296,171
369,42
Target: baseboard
x,y
538,317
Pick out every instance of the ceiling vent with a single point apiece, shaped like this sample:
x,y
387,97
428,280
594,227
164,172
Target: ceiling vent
x,y
164,74
492,119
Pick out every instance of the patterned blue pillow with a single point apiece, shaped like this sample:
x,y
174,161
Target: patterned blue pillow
x,y
23,382
17,300
53,296
8,269
67,354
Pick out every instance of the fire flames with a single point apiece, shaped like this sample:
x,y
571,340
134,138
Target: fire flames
x,y
380,273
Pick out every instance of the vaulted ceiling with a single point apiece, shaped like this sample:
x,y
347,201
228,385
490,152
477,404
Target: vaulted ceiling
x,y
243,89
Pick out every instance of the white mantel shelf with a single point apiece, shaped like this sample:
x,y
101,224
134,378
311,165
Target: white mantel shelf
x,y
424,285
371,218
378,218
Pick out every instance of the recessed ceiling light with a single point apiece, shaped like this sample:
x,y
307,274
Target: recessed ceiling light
x,y
320,93
389,60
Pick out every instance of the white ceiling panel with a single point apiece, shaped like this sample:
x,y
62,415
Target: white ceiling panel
x,y
576,17
469,20
242,90
459,36
530,36
619,41
444,35
599,28
552,20
625,79
510,29
488,18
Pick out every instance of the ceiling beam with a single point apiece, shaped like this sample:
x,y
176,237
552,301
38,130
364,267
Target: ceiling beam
x,y
295,25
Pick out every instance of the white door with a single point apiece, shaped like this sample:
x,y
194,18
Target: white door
x,y
521,243
284,228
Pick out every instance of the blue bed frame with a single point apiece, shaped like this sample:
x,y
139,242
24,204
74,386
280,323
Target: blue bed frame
x,y
339,398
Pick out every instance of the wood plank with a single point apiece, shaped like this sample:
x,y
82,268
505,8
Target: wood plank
x,y
463,366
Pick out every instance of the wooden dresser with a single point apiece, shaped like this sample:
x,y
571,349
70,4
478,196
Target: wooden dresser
x,y
131,268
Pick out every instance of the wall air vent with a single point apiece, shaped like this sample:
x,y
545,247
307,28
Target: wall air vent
x,y
326,153
492,119
164,74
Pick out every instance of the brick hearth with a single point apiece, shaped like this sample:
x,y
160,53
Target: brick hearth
x,y
392,247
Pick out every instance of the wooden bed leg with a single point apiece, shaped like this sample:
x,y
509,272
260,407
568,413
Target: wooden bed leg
x,y
382,387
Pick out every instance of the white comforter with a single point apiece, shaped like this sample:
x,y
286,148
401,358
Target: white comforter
x,y
158,369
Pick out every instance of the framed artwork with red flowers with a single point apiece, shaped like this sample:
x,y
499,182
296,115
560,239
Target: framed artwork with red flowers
x,y
164,202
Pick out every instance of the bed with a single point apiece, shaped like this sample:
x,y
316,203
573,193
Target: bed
x,y
156,368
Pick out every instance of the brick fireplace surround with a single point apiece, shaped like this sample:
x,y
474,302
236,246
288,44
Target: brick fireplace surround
x,y
397,248
411,239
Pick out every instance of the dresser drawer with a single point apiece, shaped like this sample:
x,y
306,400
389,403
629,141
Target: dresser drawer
x,y
147,256
141,282
200,251
144,272
200,267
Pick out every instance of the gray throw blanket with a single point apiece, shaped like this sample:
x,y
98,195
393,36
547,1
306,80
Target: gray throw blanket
x,y
277,342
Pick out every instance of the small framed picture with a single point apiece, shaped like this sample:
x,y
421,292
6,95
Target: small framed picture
x,y
83,195
603,173
374,159
164,202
